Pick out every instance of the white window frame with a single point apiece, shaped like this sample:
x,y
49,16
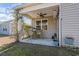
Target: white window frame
x,y
41,22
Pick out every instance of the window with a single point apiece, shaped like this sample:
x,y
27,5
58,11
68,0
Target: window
x,y
42,24
38,25
4,29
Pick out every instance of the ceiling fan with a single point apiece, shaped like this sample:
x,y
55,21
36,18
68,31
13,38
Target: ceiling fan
x,y
42,15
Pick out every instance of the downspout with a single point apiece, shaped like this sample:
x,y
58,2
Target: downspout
x,y
61,32
60,27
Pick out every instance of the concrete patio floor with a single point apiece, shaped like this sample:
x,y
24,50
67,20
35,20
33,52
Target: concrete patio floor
x,y
48,42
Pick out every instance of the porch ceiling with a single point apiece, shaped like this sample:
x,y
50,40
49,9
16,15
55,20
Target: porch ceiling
x,y
48,10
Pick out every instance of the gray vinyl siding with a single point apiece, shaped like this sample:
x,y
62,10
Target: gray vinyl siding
x,y
70,22
8,26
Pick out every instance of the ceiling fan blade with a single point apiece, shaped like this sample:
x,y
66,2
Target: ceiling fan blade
x,y
41,14
45,14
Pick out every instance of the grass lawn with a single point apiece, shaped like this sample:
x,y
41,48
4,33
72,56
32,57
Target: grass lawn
x,y
20,49
5,46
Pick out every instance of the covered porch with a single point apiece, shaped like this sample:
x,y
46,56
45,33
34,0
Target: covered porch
x,y
44,29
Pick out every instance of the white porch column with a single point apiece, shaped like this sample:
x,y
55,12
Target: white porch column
x,y
16,25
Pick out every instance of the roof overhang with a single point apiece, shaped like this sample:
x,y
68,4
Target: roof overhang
x,y
33,8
